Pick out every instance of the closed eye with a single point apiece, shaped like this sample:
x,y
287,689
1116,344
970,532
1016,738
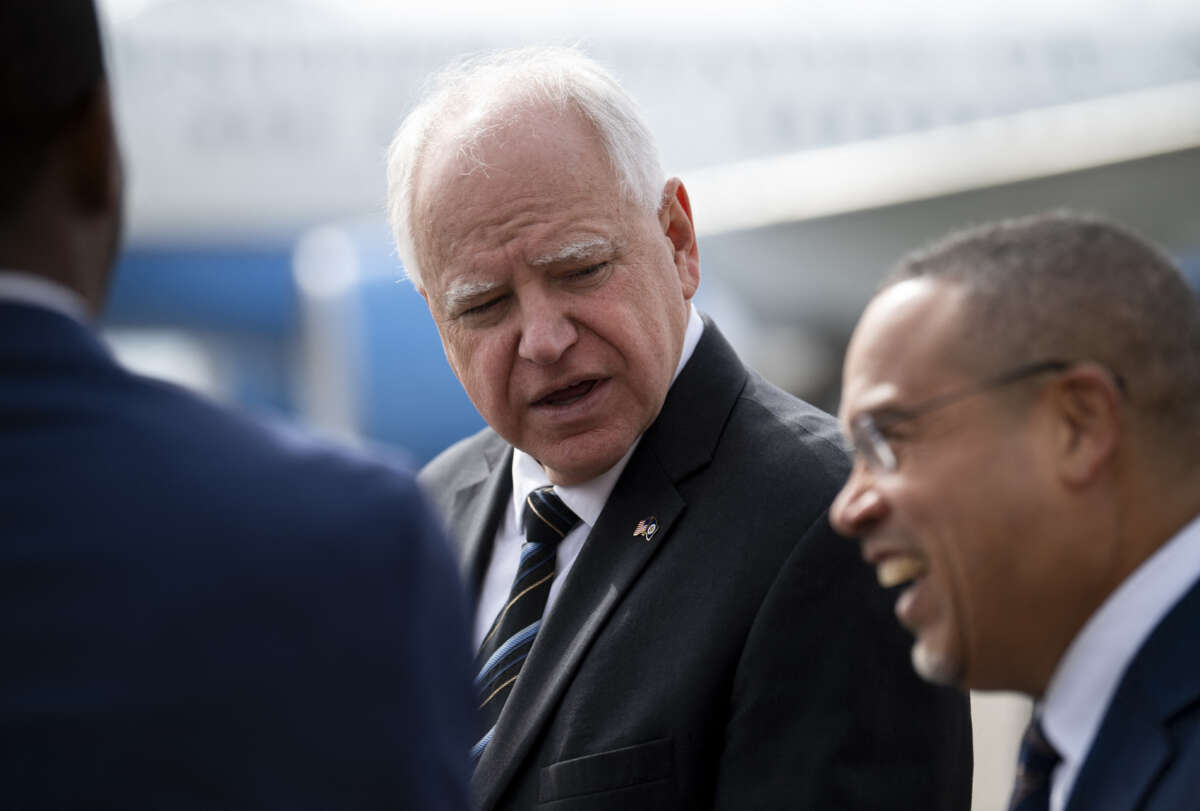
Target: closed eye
x,y
482,307
891,429
886,418
587,274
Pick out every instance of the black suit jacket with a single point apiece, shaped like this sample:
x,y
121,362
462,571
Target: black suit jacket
x,y
1146,755
198,613
742,658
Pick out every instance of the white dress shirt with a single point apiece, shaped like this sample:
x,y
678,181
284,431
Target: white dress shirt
x,y
1084,681
37,291
586,500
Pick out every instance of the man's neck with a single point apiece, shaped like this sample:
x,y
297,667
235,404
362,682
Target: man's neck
x,y
1159,498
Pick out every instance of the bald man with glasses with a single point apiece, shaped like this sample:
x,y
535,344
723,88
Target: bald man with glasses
x,y
868,429
1024,404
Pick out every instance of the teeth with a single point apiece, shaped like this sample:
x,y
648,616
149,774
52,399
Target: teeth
x,y
898,569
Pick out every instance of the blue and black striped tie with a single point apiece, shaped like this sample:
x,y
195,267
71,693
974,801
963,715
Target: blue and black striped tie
x,y
1035,767
503,652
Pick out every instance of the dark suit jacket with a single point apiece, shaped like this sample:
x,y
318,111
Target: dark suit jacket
x,y
742,658
1146,755
197,613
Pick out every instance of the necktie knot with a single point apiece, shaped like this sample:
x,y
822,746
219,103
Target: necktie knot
x,y
547,518
1035,766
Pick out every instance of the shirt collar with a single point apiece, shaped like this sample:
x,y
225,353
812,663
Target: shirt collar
x,y
587,500
1083,684
38,291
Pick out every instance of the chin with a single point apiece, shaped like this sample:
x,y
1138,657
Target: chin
x,y
935,667
585,464
569,475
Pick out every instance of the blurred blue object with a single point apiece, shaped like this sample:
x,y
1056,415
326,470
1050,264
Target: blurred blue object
x,y
238,303
409,395
228,289
242,305
1191,269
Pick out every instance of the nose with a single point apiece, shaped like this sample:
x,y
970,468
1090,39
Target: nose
x,y
546,332
859,506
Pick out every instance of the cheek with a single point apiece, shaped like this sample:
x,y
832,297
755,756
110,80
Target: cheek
x,y
480,367
945,530
657,323
457,354
976,559
958,529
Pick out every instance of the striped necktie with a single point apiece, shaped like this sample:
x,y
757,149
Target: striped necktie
x,y
1035,766
503,652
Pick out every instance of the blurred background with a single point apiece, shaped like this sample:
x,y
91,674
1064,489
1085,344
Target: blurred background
x,y
819,141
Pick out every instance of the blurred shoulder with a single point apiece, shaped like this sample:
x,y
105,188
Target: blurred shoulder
x,y
276,464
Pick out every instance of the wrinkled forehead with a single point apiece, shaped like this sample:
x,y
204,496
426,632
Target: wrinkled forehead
x,y
476,134
531,168
907,346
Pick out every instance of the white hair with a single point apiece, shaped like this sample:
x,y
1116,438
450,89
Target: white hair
x,y
483,93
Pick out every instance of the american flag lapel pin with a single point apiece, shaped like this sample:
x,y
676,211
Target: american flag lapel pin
x,y
646,528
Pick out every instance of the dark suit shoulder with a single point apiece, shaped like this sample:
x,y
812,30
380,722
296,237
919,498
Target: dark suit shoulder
x,y
267,470
277,615
780,453
463,458
467,461
1146,752
822,640
790,425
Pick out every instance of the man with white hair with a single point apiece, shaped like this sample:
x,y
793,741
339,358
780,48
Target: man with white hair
x,y
664,619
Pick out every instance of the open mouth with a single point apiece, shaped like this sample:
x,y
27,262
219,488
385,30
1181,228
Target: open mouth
x,y
896,570
568,395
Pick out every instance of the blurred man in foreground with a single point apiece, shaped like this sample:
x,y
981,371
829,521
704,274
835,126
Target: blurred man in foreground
x,y
664,618
194,612
1024,402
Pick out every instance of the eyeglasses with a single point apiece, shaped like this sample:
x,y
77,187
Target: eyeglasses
x,y
866,429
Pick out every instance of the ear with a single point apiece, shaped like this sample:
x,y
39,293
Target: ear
x,y
1087,406
675,217
96,176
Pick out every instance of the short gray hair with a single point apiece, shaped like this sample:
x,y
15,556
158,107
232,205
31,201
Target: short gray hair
x,y
1072,287
504,84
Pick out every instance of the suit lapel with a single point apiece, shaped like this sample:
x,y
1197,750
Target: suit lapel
x,y
477,509
613,556
607,567
1123,763
1133,745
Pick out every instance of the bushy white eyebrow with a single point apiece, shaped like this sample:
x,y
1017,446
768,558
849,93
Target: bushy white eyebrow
x,y
462,292
581,249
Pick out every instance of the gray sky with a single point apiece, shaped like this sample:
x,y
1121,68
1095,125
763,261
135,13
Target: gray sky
x,y
660,16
